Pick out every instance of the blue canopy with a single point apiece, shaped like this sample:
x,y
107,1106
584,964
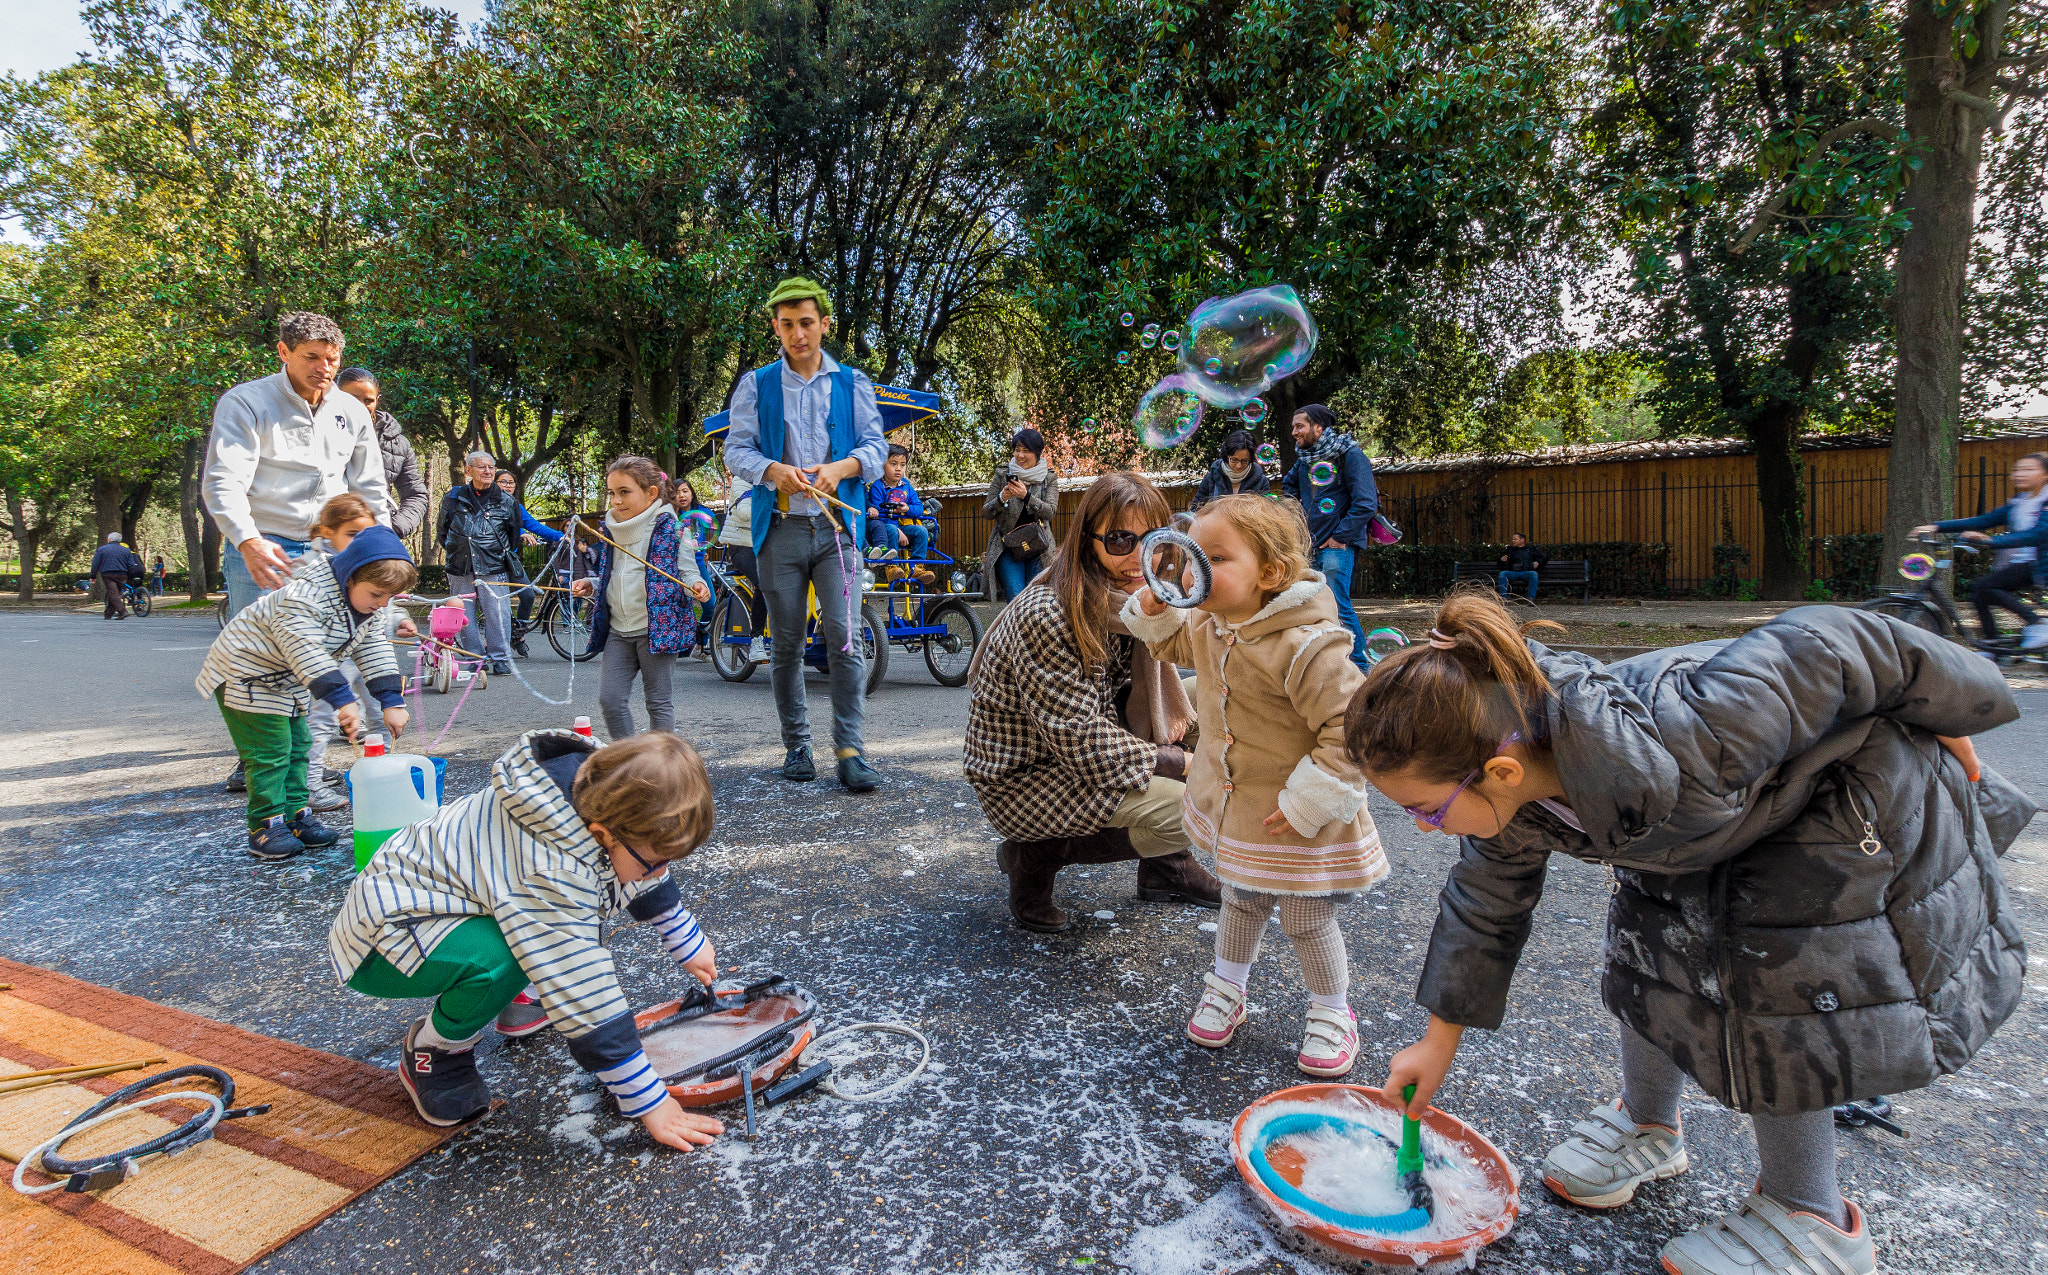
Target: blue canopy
x,y
899,407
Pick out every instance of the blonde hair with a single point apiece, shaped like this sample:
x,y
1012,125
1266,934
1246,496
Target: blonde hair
x,y
1275,529
648,790
1439,712
338,512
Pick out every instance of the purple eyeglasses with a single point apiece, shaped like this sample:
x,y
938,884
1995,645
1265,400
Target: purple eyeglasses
x,y
1436,820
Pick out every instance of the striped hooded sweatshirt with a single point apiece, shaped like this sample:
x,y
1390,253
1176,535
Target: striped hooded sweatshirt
x,y
518,853
285,648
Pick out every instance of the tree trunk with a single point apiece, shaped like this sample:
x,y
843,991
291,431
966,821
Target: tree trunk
x,y
209,551
193,519
1781,496
106,519
1947,138
133,505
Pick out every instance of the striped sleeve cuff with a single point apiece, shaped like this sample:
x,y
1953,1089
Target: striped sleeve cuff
x,y
680,933
635,1085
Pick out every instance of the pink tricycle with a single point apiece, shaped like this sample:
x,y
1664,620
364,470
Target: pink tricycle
x,y
441,660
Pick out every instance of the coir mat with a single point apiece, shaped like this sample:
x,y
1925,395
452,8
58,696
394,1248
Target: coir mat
x,y
335,1129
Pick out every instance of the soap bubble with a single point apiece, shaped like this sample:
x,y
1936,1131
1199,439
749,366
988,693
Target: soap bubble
x,y
1916,566
1238,346
1170,340
1127,318
1380,643
1253,412
1148,338
1322,473
1123,356
1087,424
1169,413
1327,504
1268,454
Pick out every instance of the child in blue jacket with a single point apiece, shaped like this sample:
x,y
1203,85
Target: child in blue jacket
x,y
2020,564
895,516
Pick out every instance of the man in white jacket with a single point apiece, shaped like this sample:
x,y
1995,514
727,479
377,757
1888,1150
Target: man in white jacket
x,y
282,446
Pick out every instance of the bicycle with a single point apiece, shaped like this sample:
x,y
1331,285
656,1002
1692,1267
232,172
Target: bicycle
x,y
564,619
1929,605
136,595
732,638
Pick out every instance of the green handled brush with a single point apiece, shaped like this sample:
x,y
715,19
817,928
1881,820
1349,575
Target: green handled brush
x,y
1409,1163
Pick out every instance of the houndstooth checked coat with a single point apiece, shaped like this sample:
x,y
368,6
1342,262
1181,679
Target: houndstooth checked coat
x,y
1046,752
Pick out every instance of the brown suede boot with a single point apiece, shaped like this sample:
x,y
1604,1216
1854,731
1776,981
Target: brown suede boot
x,y
1178,878
1031,867
1108,845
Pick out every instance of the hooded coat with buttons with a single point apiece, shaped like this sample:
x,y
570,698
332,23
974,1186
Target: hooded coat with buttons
x,y
1807,903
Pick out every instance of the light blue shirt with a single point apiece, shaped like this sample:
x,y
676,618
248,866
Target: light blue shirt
x,y
806,435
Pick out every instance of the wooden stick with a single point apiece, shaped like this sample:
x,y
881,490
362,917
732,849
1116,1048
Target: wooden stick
x,y
62,1075
630,554
6,987
819,493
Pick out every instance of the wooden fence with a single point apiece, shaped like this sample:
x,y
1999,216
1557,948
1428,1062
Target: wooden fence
x,y
1688,502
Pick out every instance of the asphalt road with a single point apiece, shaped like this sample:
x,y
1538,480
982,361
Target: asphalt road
x,y
1064,1122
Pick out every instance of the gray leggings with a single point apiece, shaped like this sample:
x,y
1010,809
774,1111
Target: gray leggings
x,y
623,657
1797,1152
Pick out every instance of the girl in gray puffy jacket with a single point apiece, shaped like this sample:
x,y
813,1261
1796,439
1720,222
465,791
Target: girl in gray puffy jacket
x,y
1807,902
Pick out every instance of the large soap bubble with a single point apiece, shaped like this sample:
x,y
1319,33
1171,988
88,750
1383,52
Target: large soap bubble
x,y
1169,413
1250,340
1253,412
1169,340
1268,454
1322,473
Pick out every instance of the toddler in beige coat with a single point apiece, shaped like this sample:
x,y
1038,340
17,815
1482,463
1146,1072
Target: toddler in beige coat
x,y
1271,791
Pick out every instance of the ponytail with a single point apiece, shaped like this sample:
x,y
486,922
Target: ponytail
x,y
1439,709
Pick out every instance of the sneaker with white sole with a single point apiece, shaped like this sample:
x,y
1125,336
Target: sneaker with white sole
x,y
1329,1044
1220,1013
1608,1155
2034,637
326,800
523,1017
1763,1237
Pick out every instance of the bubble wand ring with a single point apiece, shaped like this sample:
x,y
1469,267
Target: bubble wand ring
x,y
1172,592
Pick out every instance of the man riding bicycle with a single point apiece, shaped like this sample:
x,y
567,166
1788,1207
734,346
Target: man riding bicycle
x,y
2020,563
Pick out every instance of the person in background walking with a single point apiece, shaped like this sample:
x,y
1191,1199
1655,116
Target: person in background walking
x,y
114,565
409,494
2020,563
534,532
804,423
156,574
1233,472
1024,490
1332,478
479,529
1520,565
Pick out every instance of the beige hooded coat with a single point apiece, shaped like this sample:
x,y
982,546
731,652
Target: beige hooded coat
x,y
1270,696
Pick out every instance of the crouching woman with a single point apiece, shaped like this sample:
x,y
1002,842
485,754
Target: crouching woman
x,y
1073,730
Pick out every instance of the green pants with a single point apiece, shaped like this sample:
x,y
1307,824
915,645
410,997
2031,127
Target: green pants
x,y
273,749
471,975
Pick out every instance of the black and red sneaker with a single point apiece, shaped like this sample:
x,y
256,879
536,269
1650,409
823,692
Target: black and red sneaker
x,y
523,1017
443,1083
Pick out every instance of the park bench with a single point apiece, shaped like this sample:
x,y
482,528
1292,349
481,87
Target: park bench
x,y
1557,574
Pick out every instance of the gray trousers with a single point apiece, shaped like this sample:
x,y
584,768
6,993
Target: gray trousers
x,y
623,657
1796,1153
494,600
802,553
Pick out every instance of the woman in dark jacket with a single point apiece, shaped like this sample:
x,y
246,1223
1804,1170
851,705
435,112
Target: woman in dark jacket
x,y
1235,470
1023,490
1807,902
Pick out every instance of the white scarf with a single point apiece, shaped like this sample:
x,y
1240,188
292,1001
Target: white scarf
x,y
627,593
1033,476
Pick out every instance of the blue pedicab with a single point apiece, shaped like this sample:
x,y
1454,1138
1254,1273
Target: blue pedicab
x,y
926,609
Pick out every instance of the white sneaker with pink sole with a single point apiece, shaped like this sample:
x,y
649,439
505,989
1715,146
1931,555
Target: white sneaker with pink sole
x,y
1329,1045
1219,1015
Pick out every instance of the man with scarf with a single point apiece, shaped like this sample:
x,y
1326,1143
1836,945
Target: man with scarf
x,y
802,424
1332,478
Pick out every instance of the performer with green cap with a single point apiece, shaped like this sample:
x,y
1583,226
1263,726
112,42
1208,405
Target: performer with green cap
x,y
805,422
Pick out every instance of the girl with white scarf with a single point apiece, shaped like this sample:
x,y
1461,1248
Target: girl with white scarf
x,y
1022,490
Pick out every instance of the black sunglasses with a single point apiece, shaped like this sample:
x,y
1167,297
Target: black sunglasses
x,y
1118,542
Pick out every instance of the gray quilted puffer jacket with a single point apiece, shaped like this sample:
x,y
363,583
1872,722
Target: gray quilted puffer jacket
x,y
1808,907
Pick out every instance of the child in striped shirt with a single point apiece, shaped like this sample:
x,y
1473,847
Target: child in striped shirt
x,y
509,887
283,651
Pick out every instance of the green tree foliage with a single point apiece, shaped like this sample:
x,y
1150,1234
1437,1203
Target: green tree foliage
x,y
553,206
1717,112
1363,153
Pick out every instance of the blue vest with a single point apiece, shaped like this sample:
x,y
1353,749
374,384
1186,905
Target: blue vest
x,y
839,435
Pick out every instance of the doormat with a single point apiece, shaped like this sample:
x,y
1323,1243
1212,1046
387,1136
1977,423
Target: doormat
x,y
335,1129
